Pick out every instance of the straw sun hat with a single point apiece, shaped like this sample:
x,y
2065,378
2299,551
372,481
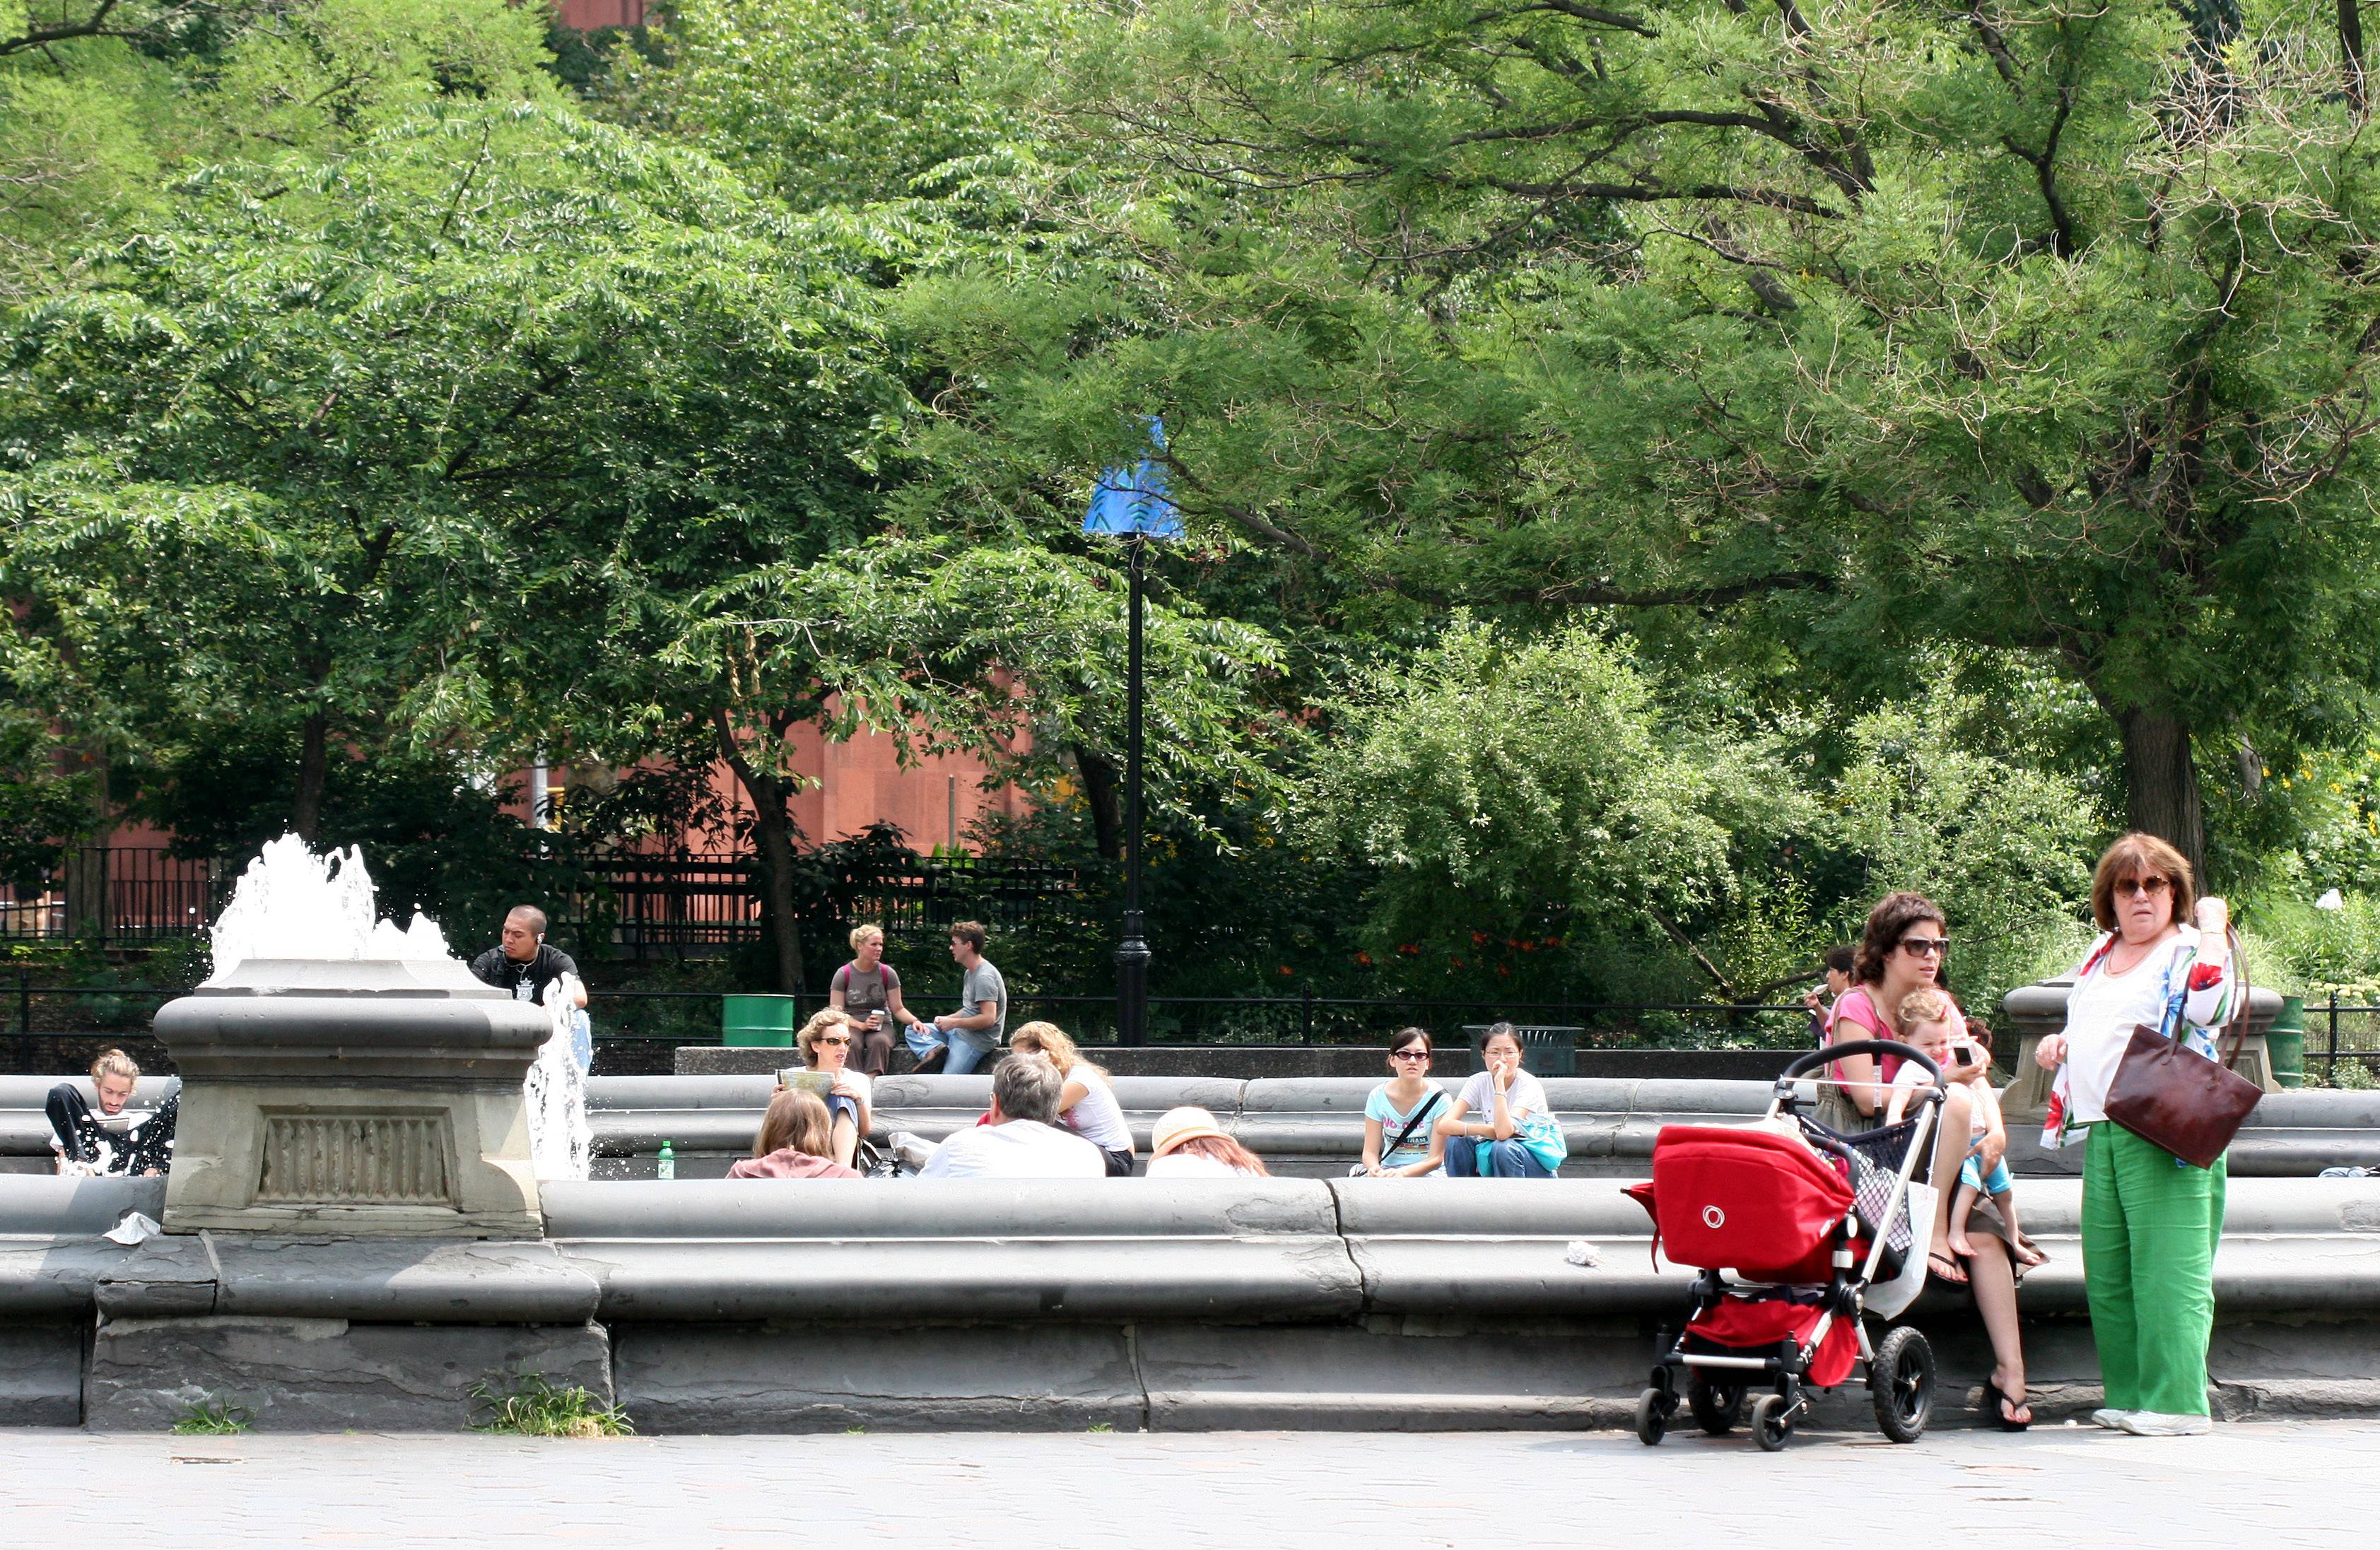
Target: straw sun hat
x,y
1178,1125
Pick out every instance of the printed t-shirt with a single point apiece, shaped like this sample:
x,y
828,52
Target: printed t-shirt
x,y
868,991
526,982
1381,1107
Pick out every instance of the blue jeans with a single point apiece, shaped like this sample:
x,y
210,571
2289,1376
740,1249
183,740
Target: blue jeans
x,y
966,1053
1469,1159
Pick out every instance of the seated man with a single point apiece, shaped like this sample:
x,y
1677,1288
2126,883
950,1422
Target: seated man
x,y
1021,1139
113,1139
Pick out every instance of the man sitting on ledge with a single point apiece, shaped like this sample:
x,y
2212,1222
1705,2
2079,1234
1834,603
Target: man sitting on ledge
x,y
1021,1139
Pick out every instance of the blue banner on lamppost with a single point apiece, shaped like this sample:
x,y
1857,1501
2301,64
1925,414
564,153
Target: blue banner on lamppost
x,y
1135,505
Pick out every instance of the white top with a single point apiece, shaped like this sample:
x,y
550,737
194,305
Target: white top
x,y
1191,1165
1019,1149
2100,1016
1525,1095
1097,1119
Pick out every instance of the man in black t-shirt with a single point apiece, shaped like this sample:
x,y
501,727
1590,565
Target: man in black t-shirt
x,y
524,964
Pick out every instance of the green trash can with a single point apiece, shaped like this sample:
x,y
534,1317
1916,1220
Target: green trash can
x,y
2285,1040
757,1021
1545,1049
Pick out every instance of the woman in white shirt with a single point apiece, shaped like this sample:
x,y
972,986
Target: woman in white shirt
x,y
2150,1221
826,1042
1188,1144
1086,1104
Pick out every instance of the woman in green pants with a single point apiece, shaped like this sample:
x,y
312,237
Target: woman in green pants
x,y
2150,1221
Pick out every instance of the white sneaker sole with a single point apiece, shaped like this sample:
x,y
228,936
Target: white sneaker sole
x,y
2149,1425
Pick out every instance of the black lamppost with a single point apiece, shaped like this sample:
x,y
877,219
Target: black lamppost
x,y
1132,953
1134,504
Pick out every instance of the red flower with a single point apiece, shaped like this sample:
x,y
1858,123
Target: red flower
x,y
2205,976
1478,939
1285,969
1411,950
1456,962
1503,969
1365,959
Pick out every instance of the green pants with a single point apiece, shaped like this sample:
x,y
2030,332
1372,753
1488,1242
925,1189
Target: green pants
x,y
2149,1231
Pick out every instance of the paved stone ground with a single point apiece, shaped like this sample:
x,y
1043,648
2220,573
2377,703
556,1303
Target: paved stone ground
x,y
2307,1483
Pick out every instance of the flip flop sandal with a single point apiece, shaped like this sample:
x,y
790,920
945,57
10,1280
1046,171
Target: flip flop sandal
x,y
1996,1407
1936,1262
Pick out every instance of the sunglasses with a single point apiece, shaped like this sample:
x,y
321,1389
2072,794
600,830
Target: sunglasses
x,y
838,1043
1409,1055
2145,886
1925,947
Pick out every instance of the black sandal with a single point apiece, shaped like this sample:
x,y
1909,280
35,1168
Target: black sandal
x,y
2000,1410
1936,1262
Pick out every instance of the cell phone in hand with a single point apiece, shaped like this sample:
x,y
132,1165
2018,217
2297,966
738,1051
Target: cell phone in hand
x,y
1968,1054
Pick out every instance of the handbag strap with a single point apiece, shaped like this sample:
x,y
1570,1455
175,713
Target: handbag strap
x,y
1428,1106
2236,1024
2240,995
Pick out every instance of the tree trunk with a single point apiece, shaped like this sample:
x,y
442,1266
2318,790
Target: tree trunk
x,y
772,840
2161,784
313,771
1106,810
87,855
772,836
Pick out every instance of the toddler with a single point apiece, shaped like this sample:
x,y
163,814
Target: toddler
x,y
1932,1023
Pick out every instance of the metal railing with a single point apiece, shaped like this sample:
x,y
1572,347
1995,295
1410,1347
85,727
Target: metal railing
x,y
2353,1034
132,895
693,1016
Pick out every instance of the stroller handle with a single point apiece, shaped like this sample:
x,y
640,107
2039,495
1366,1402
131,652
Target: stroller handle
x,y
1803,1065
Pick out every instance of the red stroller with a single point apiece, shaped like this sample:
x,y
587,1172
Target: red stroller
x,y
1790,1229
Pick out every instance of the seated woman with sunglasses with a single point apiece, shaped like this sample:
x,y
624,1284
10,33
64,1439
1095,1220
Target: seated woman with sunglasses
x,y
1400,1130
826,1042
1901,954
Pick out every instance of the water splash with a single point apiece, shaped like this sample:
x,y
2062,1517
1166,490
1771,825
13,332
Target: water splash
x,y
293,903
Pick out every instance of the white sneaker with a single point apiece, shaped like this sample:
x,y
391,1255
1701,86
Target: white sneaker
x,y
2149,1424
2112,1419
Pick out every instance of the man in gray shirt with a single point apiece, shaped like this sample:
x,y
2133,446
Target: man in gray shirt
x,y
973,1031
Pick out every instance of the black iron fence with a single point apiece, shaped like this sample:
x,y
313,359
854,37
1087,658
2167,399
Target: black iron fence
x,y
131,896
639,905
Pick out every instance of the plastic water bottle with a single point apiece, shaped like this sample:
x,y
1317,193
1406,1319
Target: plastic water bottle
x,y
666,1165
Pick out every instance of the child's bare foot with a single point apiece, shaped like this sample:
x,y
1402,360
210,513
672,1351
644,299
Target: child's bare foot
x,y
2026,1254
1961,1244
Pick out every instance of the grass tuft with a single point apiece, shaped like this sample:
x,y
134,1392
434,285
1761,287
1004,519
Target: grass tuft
x,y
537,1409
213,1418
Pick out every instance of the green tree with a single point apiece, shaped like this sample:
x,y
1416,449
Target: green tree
x,y
1508,790
333,445
2032,326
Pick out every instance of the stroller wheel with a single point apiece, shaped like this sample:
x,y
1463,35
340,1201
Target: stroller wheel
x,y
1770,1425
1900,1381
1653,1417
1718,1406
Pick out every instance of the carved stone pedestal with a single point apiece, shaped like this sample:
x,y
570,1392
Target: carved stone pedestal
x,y
361,1098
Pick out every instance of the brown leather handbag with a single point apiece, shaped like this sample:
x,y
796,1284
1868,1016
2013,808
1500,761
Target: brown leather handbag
x,y
2170,1095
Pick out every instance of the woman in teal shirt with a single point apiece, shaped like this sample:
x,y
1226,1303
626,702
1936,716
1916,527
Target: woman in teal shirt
x,y
1400,1139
